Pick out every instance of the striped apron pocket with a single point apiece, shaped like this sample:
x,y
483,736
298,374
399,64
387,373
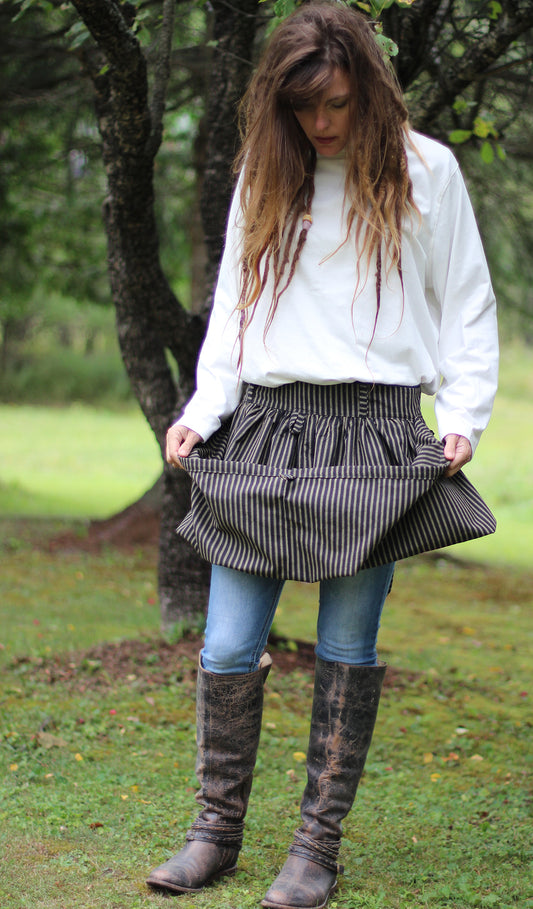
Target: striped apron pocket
x,y
307,521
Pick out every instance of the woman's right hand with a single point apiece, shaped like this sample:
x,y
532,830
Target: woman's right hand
x,y
180,442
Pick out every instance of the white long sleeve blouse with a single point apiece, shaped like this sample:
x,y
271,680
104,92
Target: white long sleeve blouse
x,y
440,332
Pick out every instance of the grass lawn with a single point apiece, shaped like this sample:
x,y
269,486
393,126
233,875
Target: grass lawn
x,y
97,782
74,461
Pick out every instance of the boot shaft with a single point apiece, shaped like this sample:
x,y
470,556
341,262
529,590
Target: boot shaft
x,y
345,706
229,711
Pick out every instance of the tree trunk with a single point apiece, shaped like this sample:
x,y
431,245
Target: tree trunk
x,y
149,317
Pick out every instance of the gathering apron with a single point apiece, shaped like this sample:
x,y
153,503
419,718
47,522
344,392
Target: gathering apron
x,y
307,482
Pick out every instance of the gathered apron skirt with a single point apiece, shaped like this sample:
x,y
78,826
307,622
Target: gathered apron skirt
x,y
308,482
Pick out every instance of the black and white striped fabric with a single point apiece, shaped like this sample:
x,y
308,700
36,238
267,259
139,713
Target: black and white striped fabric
x,y
308,482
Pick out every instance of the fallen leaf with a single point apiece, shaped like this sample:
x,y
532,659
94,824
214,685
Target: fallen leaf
x,y
47,740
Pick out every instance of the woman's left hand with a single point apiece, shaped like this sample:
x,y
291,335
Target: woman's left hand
x,y
458,451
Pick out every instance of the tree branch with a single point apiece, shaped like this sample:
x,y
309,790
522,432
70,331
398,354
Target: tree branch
x,y
473,65
505,67
112,33
162,74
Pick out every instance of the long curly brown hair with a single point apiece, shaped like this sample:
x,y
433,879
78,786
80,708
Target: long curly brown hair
x,y
278,162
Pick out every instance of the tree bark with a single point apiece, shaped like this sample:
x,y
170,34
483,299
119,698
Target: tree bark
x,y
475,63
233,31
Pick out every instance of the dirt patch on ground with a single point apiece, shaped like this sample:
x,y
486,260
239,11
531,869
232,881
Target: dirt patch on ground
x,y
157,662
135,527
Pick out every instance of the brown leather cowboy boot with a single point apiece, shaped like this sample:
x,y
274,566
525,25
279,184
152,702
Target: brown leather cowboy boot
x,y
229,710
345,705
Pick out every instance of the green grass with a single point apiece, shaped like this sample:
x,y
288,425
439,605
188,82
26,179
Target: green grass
x,y
97,783
75,461
53,603
501,468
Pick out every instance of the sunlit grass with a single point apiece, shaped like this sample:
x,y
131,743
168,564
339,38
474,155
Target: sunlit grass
x,y
76,461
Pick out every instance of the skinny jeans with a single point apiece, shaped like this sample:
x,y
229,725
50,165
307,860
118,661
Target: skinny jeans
x,y
242,608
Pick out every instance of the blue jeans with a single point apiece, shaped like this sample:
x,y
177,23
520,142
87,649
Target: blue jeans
x,y
242,607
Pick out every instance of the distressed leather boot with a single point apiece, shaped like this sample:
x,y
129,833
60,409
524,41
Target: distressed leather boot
x,y
229,710
345,705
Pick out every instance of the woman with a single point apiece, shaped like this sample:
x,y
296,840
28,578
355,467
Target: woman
x,y
353,278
